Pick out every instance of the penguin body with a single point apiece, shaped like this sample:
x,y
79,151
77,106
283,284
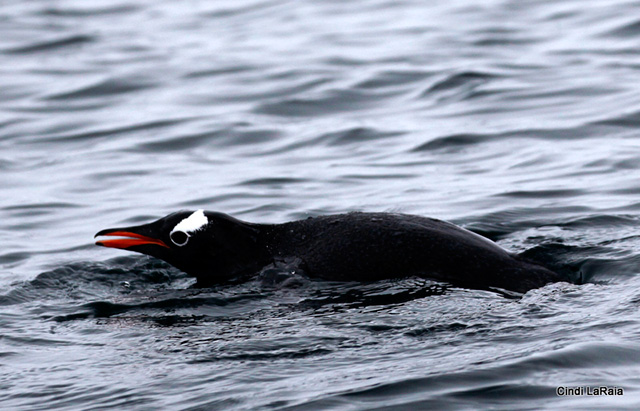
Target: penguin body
x,y
215,247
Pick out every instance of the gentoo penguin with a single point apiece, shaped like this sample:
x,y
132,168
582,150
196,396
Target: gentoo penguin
x,y
216,247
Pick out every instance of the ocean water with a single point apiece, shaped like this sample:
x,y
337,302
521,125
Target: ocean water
x,y
519,120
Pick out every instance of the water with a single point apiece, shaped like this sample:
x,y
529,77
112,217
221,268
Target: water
x,y
516,119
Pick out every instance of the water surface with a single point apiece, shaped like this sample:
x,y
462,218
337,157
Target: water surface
x,y
516,119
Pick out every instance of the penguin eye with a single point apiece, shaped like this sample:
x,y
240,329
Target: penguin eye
x,y
179,238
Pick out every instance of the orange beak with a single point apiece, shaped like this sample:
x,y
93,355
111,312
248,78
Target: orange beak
x,y
132,240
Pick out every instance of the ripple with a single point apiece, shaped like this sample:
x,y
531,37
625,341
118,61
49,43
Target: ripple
x,y
176,143
12,258
585,355
394,78
105,88
631,120
357,135
106,309
602,221
280,354
273,181
28,211
488,385
381,293
52,44
454,142
226,137
461,79
561,193
218,71
429,332
80,280
112,131
65,11
332,102
629,30
458,86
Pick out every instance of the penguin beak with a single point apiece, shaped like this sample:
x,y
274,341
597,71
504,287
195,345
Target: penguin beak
x,y
132,236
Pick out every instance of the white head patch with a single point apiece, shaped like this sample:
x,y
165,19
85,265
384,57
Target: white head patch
x,y
194,222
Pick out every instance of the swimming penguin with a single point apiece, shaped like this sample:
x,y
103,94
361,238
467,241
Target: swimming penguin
x,y
215,247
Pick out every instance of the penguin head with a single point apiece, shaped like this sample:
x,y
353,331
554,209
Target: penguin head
x,y
210,246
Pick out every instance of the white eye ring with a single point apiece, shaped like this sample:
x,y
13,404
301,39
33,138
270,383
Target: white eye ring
x,y
178,240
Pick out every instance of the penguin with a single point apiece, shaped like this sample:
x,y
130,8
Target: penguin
x,y
357,246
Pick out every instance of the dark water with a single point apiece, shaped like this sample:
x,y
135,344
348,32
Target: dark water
x,y
517,119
